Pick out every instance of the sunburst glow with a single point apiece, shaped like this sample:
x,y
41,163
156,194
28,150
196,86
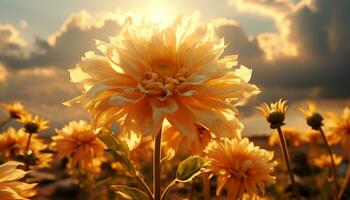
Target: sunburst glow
x,y
160,12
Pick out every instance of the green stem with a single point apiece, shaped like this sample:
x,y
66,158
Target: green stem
x,y
206,185
89,185
157,166
287,161
144,185
345,181
28,143
167,189
2,124
333,164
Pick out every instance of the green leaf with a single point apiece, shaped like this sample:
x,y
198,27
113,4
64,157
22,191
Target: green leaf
x,y
119,150
190,168
113,142
129,193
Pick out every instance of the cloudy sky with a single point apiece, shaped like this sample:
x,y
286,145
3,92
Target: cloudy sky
x,y
298,49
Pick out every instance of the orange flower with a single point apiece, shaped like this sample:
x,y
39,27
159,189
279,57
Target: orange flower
x,y
243,167
293,136
33,124
340,126
82,147
313,136
148,74
13,143
11,188
323,161
15,110
174,141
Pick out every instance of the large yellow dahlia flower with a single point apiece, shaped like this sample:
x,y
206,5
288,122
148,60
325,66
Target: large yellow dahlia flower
x,y
241,166
81,146
11,188
147,74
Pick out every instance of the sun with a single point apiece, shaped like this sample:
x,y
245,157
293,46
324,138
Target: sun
x,y
160,12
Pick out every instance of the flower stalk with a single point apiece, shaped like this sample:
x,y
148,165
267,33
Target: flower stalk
x,y
144,185
275,115
206,185
157,166
332,162
315,120
28,142
288,163
167,189
345,182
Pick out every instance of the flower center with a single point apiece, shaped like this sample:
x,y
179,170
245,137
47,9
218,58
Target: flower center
x,y
163,83
164,68
239,174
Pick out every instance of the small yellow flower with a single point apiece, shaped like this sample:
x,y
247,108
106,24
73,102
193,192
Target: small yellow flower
x,y
324,161
313,136
243,167
33,124
80,145
275,113
177,73
313,118
339,125
15,110
13,144
293,136
11,188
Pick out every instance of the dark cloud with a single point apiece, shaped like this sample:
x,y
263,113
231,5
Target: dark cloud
x,y
11,44
65,47
318,31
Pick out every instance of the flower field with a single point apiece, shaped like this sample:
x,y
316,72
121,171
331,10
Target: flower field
x,y
163,105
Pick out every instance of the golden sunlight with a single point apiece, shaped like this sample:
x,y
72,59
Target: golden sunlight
x,y
160,12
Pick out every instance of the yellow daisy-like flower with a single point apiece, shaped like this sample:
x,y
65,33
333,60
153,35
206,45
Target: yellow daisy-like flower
x,y
33,124
13,144
173,140
313,136
149,73
340,126
313,118
80,145
243,167
324,161
11,188
275,113
15,110
293,136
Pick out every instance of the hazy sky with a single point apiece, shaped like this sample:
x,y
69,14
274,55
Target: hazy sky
x,y
298,50
45,17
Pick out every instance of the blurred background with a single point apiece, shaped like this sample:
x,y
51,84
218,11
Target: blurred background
x,y
298,49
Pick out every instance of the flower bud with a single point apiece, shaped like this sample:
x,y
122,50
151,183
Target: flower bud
x,y
275,113
315,121
31,127
313,118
